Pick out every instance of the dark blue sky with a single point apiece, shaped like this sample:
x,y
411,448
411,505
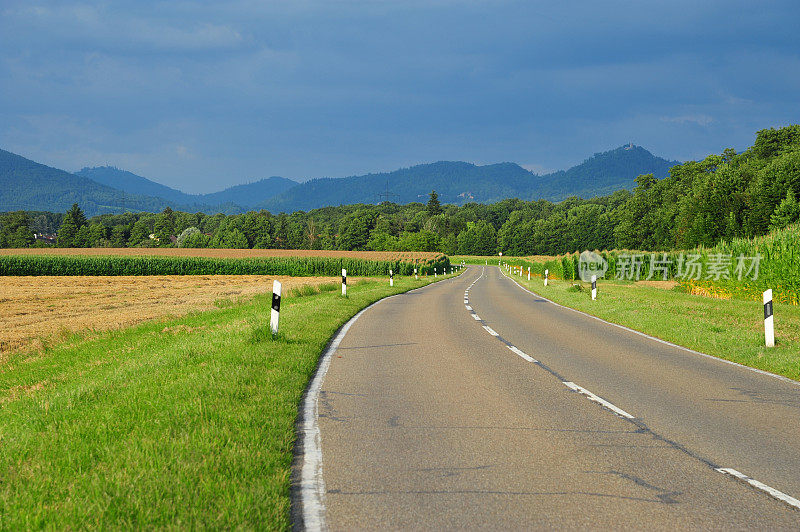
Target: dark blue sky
x,y
202,95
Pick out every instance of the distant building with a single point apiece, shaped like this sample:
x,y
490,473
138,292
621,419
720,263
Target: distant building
x,y
47,238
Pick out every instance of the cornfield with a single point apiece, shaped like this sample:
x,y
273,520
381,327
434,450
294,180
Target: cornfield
x,y
726,270
62,265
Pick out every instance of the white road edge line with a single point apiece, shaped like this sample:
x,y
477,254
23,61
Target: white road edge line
x,y
761,371
520,353
599,400
312,485
777,494
477,318
490,330
791,501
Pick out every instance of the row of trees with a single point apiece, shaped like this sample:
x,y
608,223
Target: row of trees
x,y
699,203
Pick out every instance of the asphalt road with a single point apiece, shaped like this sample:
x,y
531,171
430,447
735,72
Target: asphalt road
x,y
446,410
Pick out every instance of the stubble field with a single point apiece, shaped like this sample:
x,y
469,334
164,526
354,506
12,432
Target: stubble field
x,y
35,311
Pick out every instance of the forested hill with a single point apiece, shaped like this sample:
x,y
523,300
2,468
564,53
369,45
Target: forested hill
x,y
459,182
603,174
27,185
455,182
246,196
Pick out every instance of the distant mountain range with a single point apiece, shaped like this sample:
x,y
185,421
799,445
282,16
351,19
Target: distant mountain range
x,y
27,185
246,196
460,182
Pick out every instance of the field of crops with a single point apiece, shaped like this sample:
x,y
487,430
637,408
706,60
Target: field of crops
x,y
729,269
41,310
404,256
114,262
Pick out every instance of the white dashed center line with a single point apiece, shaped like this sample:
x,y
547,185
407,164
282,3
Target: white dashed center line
x,y
599,400
490,330
791,501
520,353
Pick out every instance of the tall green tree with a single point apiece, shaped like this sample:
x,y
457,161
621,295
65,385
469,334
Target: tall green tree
x,y
72,223
22,237
165,227
788,212
434,207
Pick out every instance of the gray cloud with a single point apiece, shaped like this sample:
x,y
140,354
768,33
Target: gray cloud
x,y
202,95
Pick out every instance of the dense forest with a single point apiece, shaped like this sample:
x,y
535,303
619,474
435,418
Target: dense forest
x,y
699,203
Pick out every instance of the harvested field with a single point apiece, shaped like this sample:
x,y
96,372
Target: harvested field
x,y
407,256
35,310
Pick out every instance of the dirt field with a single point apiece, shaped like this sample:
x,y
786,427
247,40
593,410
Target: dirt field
x,y
34,310
408,256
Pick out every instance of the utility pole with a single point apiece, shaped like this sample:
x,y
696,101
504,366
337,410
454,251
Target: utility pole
x,y
388,195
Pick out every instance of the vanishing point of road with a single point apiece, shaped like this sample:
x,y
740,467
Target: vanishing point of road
x,y
473,403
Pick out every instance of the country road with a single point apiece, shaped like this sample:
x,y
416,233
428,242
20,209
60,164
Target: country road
x,y
473,403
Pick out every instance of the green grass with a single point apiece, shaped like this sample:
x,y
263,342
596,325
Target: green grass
x,y
184,423
731,329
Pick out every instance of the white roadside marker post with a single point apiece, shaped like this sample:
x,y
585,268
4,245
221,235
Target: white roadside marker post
x,y
529,273
416,277
769,325
434,273
276,306
545,276
344,282
594,287
391,278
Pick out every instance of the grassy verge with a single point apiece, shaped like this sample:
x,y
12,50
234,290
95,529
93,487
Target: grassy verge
x,y
184,423
730,329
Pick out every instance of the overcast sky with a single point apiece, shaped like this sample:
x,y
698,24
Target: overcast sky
x,y
203,95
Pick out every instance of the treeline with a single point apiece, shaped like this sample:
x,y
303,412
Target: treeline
x,y
725,196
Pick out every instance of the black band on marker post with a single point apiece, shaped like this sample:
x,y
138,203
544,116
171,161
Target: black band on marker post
x,y
276,302
344,279
768,309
